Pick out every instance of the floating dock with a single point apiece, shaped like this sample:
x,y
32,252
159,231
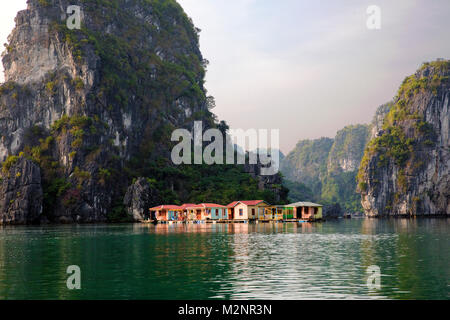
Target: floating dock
x,y
225,221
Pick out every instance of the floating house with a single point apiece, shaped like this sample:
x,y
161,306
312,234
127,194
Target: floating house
x,y
189,212
247,209
273,213
240,211
205,211
215,211
303,210
166,213
193,212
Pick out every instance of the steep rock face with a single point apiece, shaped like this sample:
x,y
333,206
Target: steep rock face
x,y
139,198
377,123
21,192
339,183
95,108
83,103
329,167
307,162
40,73
348,148
405,169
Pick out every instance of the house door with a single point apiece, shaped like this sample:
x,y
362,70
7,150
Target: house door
x,y
230,214
199,214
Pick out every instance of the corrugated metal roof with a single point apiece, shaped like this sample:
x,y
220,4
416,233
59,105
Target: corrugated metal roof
x,y
303,204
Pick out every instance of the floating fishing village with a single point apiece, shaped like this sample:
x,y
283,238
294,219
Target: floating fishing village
x,y
235,212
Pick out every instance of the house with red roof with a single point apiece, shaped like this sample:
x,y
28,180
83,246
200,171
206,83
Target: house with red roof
x,y
215,211
247,209
242,210
167,213
205,211
193,212
189,212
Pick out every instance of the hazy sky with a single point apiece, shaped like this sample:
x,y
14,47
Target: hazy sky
x,y
308,68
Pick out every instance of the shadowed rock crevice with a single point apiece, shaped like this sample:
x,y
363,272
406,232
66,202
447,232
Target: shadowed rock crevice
x,y
21,193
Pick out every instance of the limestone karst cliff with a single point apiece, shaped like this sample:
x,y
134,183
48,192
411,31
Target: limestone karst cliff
x,y
94,108
21,192
405,168
307,162
328,167
339,182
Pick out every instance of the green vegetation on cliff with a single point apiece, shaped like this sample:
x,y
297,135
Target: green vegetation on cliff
x,y
404,128
135,74
325,170
396,158
307,163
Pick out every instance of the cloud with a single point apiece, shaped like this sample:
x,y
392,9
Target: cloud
x,y
312,67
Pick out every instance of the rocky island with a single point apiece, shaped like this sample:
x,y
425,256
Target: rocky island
x,y
86,115
405,168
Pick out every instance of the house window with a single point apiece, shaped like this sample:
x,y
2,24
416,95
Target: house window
x,y
241,212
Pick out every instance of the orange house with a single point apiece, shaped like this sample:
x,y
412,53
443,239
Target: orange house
x,y
204,211
167,213
193,212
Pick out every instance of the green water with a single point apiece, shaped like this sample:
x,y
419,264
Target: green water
x,y
242,261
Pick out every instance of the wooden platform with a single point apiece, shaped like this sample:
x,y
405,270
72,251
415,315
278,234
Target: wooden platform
x,y
226,221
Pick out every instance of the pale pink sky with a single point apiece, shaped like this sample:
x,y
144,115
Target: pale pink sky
x,y
308,68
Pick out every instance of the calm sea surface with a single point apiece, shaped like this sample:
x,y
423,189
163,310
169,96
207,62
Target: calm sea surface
x,y
238,261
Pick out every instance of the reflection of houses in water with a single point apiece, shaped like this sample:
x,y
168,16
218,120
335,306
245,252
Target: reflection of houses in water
x,y
239,228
